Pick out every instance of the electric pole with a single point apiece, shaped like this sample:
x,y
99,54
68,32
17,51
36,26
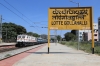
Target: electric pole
x,y
6,34
0,28
77,32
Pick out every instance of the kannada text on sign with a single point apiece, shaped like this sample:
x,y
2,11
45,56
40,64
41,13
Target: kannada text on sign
x,y
70,18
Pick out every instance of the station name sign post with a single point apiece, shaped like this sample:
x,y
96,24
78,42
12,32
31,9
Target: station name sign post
x,y
70,18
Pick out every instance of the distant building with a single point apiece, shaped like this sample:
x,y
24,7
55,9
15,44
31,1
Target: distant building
x,y
99,28
44,36
53,36
87,34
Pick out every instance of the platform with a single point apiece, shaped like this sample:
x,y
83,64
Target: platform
x,y
60,55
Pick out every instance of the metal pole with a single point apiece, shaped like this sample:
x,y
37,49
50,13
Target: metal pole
x,y
92,34
78,4
6,34
92,39
61,37
77,30
48,36
48,40
0,28
56,37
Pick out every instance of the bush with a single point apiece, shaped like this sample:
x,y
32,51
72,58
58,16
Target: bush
x,y
85,46
97,50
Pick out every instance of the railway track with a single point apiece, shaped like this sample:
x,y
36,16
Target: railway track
x,y
16,51
4,48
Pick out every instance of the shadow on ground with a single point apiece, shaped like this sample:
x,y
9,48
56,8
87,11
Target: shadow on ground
x,y
55,53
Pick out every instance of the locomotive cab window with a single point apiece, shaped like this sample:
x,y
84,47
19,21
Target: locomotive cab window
x,y
19,37
23,36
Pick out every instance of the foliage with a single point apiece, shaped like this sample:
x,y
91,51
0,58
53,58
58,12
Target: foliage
x,y
52,39
58,37
11,30
32,34
85,46
69,36
8,55
73,32
20,29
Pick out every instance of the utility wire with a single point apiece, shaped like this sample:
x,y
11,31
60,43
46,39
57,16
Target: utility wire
x,y
15,8
20,12
30,26
15,13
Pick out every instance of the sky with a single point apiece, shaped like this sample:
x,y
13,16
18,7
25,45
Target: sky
x,y
35,13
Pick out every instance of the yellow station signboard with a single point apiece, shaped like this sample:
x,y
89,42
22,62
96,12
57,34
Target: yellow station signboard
x,y
72,18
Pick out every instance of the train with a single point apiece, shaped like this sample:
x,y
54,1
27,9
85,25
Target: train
x,y
26,40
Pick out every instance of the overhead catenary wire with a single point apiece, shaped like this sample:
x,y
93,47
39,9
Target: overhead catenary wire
x,y
30,26
39,23
15,8
15,14
21,13
18,15
5,20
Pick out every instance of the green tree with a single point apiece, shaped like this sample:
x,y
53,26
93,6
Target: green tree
x,y
58,37
32,34
73,32
35,35
52,39
11,30
69,36
20,30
